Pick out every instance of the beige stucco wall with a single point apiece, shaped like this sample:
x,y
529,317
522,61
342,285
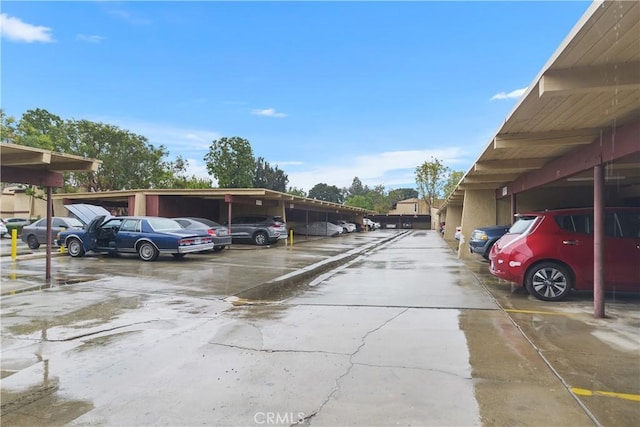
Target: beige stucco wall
x,y
478,210
19,204
453,219
410,207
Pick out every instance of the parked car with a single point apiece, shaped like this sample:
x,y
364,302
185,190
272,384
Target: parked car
x,y
147,236
319,228
3,228
15,223
347,227
458,233
551,252
219,233
483,238
258,229
35,234
372,225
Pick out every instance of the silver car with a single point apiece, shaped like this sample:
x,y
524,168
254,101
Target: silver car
x,y
36,233
258,229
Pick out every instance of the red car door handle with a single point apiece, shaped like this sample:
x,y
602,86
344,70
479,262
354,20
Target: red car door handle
x,y
570,242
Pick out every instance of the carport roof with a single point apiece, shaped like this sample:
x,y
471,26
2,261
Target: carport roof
x,y
36,166
583,101
36,158
227,194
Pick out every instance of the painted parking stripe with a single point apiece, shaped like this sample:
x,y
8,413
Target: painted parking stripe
x,y
512,310
585,392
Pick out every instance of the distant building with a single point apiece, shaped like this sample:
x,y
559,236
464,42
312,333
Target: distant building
x,y
413,206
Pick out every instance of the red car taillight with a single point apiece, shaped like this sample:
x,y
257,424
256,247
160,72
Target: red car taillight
x,y
212,232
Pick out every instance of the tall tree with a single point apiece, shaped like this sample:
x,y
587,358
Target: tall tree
x,y
297,192
128,160
360,201
8,130
402,194
431,177
231,162
452,180
357,189
176,176
42,129
328,193
268,177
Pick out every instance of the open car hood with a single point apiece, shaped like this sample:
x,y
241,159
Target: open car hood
x,y
86,213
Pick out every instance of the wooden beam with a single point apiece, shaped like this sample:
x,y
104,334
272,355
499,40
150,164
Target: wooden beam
x,y
484,178
509,164
614,145
546,139
606,77
40,177
26,158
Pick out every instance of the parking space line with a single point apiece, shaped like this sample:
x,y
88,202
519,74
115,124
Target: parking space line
x,y
585,392
512,310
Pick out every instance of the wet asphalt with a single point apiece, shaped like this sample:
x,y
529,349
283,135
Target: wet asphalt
x,y
380,328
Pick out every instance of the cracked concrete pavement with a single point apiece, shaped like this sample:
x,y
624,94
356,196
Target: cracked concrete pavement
x,y
390,328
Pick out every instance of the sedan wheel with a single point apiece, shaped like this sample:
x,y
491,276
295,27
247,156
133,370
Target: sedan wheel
x,y
261,238
32,241
549,281
218,248
147,252
75,248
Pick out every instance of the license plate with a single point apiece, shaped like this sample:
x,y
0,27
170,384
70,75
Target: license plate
x,y
197,241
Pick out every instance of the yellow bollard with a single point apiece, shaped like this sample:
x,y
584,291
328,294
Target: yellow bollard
x,y
291,237
14,244
63,249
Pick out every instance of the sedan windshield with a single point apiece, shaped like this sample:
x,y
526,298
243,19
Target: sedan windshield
x,y
522,225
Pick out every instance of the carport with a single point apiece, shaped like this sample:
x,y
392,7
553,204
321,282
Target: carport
x,y
218,204
573,139
44,168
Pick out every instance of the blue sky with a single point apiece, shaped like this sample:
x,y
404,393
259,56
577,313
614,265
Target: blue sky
x,y
325,90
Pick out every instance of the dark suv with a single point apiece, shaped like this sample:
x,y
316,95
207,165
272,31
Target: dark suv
x,y
483,238
258,229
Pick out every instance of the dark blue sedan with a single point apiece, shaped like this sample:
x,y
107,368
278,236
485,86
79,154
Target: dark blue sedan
x,y
483,238
146,236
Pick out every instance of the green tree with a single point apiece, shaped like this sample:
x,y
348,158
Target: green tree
x,y
8,130
268,177
128,160
231,162
402,194
452,180
328,193
42,129
176,176
360,201
431,178
357,189
379,199
297,192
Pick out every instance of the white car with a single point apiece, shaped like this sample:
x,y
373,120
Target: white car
x,y
371,224
319,228
3,229
348,227
458,233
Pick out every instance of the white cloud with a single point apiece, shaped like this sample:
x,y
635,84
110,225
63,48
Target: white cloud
x,y
391,168
16,30
268,112
511,95
90,38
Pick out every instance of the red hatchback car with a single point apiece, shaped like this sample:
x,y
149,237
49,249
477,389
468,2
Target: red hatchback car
x,y
551,252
